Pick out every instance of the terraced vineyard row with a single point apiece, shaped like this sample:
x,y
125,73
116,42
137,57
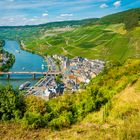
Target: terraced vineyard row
x,y
97,41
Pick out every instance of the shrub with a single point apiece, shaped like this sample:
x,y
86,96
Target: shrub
x,y
32,120
35,104
10,104
64,120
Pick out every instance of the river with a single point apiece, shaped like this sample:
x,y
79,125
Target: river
x,y
25,61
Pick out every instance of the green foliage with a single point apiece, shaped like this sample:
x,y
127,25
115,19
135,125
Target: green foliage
x,y
35,105
32,120
132,20
58,78
64,120
11,104
34,112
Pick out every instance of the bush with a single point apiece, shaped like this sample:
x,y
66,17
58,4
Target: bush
x,y
35,104
70,108
11,106
64,120
32,120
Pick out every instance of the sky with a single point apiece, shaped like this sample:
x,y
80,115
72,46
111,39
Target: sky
x,y
32,12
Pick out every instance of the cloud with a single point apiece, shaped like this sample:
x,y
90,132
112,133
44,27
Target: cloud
x,y
24,19
11,0
117,4
104,6
11,19
66,15
45,14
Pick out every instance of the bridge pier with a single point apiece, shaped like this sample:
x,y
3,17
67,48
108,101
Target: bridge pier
x,y
8,76
34,76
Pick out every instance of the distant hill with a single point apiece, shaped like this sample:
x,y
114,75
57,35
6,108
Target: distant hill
x,y
55,24
17,32
68,23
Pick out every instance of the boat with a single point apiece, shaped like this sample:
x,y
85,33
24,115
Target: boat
x,y
24,85
17,51
23,68
42,66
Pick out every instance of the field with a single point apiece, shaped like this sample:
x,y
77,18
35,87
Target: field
x,y
107,42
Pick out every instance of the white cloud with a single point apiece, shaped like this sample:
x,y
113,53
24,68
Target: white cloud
x,y
10,0
24,19
104,6
32,19
11,18
66,15
45,14
117,4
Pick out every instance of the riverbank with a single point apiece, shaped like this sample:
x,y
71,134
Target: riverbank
x,y
7,59
56,61
23,47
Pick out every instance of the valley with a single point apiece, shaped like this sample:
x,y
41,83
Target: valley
x,y
89,84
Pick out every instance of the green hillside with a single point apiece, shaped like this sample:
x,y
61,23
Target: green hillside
x,y
122,123
94,40
107,42
109,107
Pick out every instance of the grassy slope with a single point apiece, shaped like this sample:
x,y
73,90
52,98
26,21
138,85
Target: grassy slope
x,y
105,38
122,122
97,41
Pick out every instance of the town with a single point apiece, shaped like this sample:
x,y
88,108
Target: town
x,y
75,74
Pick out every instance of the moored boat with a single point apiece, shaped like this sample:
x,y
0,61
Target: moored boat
x,y
24,85
17,51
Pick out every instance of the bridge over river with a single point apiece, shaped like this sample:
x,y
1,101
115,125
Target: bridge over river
x,y
30,73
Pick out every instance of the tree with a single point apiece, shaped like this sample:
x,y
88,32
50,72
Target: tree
x,y
11,106
35,104
131,20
